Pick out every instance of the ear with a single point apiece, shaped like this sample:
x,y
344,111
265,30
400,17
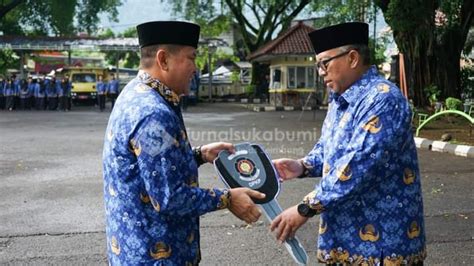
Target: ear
x,y
354,58
161,59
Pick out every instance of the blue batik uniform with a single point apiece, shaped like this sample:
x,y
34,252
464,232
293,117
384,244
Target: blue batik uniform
x,y
39,90
10,89
24,92
2,94
51,89
59,88
32,89
17,86
101,87
152,198
113,86
369,196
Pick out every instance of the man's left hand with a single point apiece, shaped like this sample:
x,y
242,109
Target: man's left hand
x,y
210,151
287,223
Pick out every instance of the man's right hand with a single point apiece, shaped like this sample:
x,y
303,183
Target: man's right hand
x,y
288,168
242,206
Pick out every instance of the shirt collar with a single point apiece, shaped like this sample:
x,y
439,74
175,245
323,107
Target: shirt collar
x,y
352,94
161,88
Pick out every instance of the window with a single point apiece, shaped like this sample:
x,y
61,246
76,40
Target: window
x,y
277,75
83,77
300,77
291,77
276,78
310,77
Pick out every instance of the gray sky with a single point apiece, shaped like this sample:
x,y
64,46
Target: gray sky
x,y
134,12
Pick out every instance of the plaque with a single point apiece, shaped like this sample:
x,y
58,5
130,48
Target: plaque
x,y
251,167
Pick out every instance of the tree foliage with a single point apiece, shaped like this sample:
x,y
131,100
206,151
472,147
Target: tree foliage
x,y
270,16
9,22
129,59
334,12
58,17
257,21
432,35
8,60
46,17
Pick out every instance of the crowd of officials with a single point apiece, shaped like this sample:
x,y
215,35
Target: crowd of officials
x,y
48,93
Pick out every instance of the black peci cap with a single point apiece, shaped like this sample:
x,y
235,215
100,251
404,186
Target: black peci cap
x,y
168,32
339,35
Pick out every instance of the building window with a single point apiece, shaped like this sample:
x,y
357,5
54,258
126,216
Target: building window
x,y
291,77
310,77
300,77
276,78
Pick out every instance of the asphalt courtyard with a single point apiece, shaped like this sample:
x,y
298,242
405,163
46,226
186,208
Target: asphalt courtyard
x,y
51,206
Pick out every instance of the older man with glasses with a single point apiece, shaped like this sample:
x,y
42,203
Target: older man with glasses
x,y
369,198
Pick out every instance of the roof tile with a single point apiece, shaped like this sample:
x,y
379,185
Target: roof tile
x,y
294,41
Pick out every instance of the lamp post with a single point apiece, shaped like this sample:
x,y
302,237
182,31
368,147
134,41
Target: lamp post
x,y
211,48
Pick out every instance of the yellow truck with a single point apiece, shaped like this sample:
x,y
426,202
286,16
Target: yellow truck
x,y
83,81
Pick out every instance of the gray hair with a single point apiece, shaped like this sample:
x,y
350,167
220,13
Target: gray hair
x,y
362,49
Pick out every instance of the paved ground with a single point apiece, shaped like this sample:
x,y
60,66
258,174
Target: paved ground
x,y
51,209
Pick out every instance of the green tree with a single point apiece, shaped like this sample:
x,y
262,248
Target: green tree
x,y
257,21
130,59
45,17
60,17
9,22
334,12
432,35
8,60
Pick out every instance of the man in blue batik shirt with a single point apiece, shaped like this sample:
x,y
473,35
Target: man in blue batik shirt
x,y
112,90
101,88
369,198
152,198
52,94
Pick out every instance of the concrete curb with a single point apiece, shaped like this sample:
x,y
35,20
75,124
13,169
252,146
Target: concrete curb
x,y
441,146
229,100
280,108
284,108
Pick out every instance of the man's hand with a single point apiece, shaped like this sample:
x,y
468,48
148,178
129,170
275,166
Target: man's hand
x,y
287,223
210,151
288,168
242,206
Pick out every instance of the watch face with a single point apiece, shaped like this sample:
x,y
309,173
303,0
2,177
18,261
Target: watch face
x,y
305,210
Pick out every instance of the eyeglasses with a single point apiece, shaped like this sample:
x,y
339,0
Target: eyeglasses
x,y
323,64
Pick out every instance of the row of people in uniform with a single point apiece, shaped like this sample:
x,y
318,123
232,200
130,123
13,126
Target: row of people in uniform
x,y
48,93
35,93
109,89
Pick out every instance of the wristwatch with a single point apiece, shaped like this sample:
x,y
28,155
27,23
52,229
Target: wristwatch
x,y
305,210
198,156
305,172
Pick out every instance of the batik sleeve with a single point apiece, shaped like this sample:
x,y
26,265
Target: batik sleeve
x,y
380,133
165,172
313,162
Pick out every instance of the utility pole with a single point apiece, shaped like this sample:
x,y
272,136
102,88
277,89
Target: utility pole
x,y
211,48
